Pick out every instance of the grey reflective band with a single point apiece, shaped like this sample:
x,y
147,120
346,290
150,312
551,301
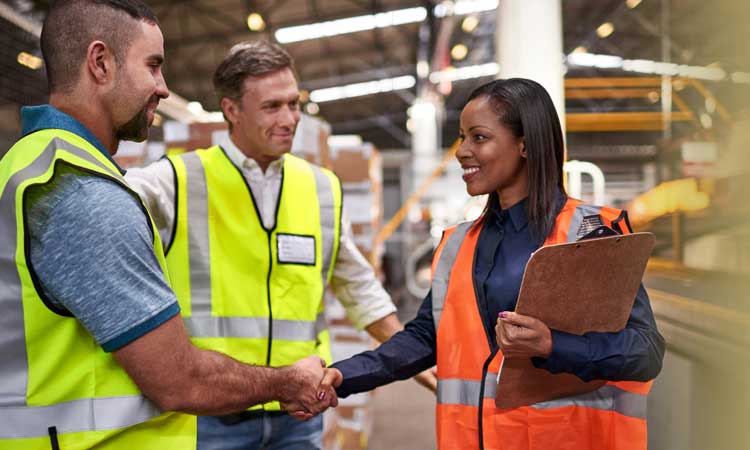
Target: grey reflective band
x,y
321,324
607,398
17,420
89,414
327,206
581,211
197,235
251,327
456,391
443,269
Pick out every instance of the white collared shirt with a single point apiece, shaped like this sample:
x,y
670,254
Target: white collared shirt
x,y
353,281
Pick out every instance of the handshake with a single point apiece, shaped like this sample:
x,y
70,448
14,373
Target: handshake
x,y
308,388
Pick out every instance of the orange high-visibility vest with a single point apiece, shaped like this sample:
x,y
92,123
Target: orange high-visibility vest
x,y
612,417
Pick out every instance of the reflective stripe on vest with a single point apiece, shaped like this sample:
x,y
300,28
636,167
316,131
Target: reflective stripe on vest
x,y
18,420
201,323
606,398
254,327
442,274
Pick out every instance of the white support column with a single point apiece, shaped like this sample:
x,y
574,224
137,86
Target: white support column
x,y
529,45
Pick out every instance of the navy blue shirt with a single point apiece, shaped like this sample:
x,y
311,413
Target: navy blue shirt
x,y
504,246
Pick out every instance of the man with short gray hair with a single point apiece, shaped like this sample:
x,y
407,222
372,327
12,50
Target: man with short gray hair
x,y
256,235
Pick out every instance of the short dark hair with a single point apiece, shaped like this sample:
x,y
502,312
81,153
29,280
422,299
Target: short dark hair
x,y
248,59
525,107
71,25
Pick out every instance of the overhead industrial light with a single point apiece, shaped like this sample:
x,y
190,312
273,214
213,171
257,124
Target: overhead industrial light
x,y
580,49
304,95
362,89
28,60
459,52
465,73
605,29
462,7
255,22
647,66
423,69
312,108
350,25
470,23
380,20
632,3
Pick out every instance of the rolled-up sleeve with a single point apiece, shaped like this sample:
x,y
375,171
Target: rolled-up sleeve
x,y
633,354
155,184
355,285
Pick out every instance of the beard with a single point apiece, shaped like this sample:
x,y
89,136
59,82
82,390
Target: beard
x,y
136,129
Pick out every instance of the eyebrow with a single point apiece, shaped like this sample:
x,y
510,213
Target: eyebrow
x,y
281,100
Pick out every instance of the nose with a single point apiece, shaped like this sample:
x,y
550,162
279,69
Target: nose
x,y
289,117
464,151
162,91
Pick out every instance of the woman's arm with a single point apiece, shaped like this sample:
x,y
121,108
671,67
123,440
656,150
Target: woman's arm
x,y
404,355
633,354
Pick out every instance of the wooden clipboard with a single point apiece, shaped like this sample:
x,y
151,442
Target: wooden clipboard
x,y
584,286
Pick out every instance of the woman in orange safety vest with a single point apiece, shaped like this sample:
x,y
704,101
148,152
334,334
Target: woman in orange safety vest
x,y
512,149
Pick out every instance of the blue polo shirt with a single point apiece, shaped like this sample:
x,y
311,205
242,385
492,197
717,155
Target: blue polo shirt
x,y
504,246
91,247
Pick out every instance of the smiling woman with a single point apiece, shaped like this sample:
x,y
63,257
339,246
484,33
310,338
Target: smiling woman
x,y
512,148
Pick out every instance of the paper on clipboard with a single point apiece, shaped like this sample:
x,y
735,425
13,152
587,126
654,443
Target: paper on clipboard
x,y
579,287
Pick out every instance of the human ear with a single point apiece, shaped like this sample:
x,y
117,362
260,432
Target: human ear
x,y
100,62
522,148
230,109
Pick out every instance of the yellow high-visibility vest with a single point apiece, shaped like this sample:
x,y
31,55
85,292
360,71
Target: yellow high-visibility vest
x,y
56,382
253,293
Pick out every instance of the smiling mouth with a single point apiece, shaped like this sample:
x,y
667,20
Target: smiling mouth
x,y
470,170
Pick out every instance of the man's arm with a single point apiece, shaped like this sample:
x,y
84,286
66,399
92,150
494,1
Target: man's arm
x,y
192,380
101,268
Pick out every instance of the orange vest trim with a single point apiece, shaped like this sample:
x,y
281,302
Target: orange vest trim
x,y
611,418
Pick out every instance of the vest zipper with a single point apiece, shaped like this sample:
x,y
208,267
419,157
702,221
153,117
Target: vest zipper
x,y
485,368
53,441
268,296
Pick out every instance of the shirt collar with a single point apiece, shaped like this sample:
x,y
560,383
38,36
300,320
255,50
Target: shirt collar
x,y
44,117
240,159
516,213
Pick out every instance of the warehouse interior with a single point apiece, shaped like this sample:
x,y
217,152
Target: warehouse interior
x,y
655,101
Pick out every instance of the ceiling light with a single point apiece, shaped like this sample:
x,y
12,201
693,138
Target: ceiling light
x,y
706,120
312,108
605,29
304,95
423,69
470,23
459,52
361,89
653,96
632,3
350,25
255,22
580,49
594,60
465,73
29,60
462,7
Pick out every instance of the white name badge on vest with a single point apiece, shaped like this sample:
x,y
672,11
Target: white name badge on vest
x,y
295,249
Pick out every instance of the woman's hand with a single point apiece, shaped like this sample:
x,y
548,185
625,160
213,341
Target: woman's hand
x,y
522,336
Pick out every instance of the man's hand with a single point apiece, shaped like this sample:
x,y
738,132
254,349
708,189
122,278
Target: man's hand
x,y
428,379
301,395
522,336
332,379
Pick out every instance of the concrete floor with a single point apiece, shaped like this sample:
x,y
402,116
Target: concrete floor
x,y
403,418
